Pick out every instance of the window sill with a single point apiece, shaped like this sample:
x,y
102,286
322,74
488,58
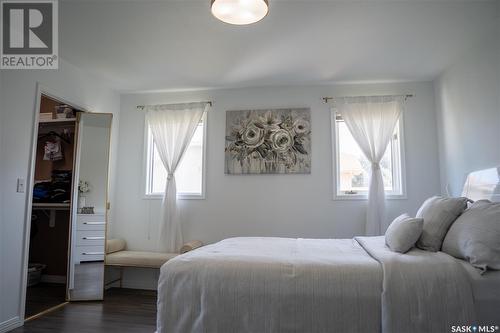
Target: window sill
x,y
180,196
364,197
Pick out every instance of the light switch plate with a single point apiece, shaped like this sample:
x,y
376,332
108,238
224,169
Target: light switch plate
x,y
20,185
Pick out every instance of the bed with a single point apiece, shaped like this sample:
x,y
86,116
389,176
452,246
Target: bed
x,y
311,285
486,293
253,284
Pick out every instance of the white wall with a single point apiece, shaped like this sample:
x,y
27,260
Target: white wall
x,y
2,305
468,108
18,91
280,205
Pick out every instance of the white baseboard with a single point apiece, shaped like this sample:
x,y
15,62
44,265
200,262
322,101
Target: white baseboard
x,y
61,279
10,324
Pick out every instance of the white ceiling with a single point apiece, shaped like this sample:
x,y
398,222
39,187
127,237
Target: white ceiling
x,y
171,45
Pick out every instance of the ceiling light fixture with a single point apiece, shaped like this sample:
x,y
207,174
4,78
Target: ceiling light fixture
x,y
240,12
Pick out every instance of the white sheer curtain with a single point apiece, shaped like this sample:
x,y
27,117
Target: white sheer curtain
x,y
371,121
172,127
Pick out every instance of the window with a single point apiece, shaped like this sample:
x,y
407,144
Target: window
x,y
353,168
189,176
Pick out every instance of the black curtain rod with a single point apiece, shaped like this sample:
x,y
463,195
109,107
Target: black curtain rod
x,y
327,99
142,107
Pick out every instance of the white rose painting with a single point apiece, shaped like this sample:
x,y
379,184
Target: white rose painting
x,y
268,141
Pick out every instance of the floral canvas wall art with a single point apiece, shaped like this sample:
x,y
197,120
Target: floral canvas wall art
x,y
276,141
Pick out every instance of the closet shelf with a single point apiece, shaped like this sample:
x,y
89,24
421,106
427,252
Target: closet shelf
x,y
55,206
64,120
52,208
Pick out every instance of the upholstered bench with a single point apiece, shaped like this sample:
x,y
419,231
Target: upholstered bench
x,y
118,256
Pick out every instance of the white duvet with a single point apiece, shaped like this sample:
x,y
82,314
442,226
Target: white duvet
x,y
311,285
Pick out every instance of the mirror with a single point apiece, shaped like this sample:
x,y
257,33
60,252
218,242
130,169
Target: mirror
x,y
89,209
483,184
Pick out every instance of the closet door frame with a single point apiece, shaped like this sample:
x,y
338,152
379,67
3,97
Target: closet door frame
x,y
41,89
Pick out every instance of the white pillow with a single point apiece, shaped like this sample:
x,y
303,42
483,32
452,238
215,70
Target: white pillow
x,y
475,236
438,214
403,233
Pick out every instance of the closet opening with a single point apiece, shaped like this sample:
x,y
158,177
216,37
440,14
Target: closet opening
x,y
50,225
67,212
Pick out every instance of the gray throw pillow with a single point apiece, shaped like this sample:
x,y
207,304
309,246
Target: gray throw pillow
x,y
403,233
438,214
475,236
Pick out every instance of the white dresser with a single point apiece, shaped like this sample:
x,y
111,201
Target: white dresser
x,y
90,237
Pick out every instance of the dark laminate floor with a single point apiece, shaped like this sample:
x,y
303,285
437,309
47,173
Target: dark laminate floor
x,y
123,310
43,296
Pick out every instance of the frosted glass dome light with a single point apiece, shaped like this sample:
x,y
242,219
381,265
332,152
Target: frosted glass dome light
x,y
240,12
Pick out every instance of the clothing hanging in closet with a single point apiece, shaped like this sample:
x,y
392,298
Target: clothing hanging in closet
x,y
53,150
